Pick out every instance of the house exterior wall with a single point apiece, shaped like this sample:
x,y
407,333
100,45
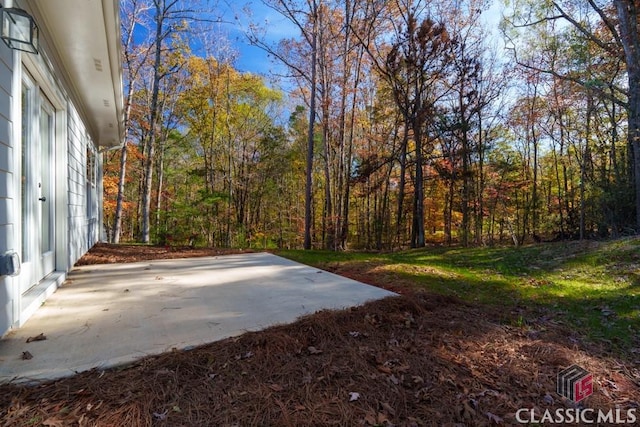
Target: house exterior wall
x,y
82,200
8,202
77,200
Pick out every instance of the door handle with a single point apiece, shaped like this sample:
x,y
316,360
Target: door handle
x,y
43,199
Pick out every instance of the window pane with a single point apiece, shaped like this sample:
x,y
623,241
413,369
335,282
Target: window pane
x,y
46,133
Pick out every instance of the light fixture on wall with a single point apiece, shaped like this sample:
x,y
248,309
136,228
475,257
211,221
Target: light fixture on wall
x,y
18,29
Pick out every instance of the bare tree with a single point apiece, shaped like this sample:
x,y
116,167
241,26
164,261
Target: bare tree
x,y
306,18
135,56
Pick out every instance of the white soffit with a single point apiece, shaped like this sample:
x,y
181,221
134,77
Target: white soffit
x,y
86,37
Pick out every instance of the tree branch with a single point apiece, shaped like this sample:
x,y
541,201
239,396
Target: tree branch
x,y
588,34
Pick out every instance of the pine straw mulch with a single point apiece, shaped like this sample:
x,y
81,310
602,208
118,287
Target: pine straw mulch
x,y
105,253
413,360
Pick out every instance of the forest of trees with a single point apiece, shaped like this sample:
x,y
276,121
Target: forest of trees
x,y
399,123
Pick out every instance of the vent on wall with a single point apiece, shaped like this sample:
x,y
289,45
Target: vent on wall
x,y
98,64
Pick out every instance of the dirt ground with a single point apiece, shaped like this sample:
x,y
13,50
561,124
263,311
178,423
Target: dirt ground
x,y
414,360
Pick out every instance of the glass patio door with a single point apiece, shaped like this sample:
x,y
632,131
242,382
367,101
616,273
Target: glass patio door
x,y
45,180
38,138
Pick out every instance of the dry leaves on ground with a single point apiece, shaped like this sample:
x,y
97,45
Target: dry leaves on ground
x,y
413,360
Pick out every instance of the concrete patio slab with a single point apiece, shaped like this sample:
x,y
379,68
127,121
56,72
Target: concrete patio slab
x,y
112,314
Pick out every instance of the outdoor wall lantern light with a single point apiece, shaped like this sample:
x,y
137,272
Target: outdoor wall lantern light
x,y
18,29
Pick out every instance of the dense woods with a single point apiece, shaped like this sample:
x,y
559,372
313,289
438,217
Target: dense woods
x,y
399,123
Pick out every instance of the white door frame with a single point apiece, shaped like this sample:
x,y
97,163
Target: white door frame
x,y
37,178
28,214
40,192
46,188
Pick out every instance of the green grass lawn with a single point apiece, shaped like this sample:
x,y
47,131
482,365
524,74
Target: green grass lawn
x,y
592,287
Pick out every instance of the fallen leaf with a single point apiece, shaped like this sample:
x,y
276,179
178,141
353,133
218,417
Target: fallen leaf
x,y
489,392
161,415
40,337
52,422
388,408
247,355
26,355
276,387
382,418
370,419
373,319
313,350
495,419
467,412
403,368
384,369
353,396
307,378
611,384
409,320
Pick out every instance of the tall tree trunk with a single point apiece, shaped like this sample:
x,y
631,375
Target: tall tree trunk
x,y
228,136
122,176
628,23
342,189
418,238
160,188
466,186
131,73
586,156
534,141
448,207
153,118
634,141
117,222
329,217
402,184
308,195
480,187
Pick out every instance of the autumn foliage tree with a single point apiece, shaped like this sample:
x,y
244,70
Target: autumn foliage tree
x,y
401,124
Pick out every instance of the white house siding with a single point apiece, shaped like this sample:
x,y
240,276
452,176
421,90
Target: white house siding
x,y
76,186
8,306
84,227
78,222
79,88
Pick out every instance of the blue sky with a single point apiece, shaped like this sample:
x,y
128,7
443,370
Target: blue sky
x,y
253,59
241,14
